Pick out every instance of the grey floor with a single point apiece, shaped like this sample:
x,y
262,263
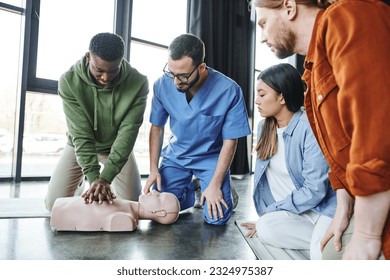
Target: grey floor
x,y
189,238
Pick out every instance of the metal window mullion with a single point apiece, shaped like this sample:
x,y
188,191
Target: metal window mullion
x,y
122,22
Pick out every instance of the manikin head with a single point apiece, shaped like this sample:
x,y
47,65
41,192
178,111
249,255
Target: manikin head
x,y
162,207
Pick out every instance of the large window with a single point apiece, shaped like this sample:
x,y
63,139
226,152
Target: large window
x,y
59,36
17,3
44,134
151,36
10,71
159,21
61,31
64,31
264,59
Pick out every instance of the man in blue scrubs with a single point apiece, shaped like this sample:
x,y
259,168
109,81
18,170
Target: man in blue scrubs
x,y
207,115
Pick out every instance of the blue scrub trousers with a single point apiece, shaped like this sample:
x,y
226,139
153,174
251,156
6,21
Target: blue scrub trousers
x,y
177,179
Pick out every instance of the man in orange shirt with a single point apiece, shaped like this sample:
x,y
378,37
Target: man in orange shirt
x,y
347,74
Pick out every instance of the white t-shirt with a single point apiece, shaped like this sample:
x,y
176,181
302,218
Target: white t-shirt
x,y
279,180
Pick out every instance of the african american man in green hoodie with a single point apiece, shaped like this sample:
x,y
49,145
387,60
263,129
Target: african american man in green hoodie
x,y
104,100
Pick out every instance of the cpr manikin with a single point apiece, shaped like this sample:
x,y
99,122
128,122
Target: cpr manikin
x,y
73,214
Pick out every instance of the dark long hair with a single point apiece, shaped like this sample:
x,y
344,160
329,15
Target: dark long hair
x,y
286,80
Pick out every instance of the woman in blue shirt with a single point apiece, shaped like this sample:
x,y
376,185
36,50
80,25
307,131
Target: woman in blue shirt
x,y
292,193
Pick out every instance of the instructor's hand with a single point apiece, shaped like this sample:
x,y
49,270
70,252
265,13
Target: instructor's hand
x,y
214,201
154,177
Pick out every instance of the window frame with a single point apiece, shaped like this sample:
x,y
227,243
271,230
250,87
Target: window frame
x,y
11,8
31,83
122,27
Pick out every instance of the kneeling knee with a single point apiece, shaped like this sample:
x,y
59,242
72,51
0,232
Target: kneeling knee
x,y
218,222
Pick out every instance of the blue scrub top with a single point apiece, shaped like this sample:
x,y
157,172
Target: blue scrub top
x,y
215,113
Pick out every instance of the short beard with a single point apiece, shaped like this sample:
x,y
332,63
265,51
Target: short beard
x,y
190,85
285,43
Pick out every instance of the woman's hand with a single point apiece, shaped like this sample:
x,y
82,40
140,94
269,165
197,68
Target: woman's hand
x,y
251,227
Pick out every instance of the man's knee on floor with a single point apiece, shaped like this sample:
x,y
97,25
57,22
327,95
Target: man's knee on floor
x,y
220,220
216,222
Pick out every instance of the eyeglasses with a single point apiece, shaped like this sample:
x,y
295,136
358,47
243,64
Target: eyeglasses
x,y
181,77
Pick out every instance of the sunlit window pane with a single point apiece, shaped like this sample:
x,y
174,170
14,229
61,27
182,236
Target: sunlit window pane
x,y
65,29
17,3
159,21
149,61
10,32
264,56
168,20
44,134
264,59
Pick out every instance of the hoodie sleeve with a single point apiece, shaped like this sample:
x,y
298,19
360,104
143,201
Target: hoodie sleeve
x,y
79,126
128,129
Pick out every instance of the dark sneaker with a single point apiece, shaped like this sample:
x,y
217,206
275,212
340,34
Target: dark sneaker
x,y
235,196
198,193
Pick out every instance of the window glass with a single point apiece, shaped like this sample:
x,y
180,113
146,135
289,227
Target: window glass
x,y
10,32
44,134
149,61
170,16
65,29
264,59
159,21
17,3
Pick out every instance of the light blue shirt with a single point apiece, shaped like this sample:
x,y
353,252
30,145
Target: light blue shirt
x,y
217,112
307,168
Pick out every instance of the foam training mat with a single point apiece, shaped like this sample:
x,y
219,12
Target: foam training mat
x,y
23,208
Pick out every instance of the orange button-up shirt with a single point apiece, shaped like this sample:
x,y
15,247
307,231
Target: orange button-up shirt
x,y
347,72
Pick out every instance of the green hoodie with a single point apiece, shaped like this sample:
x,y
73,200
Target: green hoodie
x,y
103,120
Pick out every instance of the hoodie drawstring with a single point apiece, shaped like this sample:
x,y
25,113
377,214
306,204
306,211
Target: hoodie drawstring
x,y
113,107
95,104
95,111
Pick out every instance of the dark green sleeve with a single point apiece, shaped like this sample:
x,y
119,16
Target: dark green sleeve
x,y
81,130
127,133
